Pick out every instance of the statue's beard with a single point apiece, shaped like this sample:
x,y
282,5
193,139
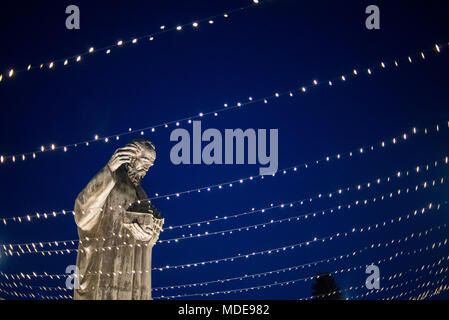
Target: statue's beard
x,y
135,175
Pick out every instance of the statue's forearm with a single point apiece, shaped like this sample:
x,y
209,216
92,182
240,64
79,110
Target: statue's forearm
x,y
89,203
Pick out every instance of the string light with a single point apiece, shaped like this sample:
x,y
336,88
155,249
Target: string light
x,y
301,266
383,289
440,288
340,257
121,43
275,284
339,191
425,284
213,112
428,208
291,169
34,296
10,249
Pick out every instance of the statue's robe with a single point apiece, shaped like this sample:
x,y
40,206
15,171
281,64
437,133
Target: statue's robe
x,y
110,269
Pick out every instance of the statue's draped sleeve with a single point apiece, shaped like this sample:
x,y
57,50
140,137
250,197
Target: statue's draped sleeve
x,y
89,203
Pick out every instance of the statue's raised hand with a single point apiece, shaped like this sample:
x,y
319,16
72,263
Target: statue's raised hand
x,y
121,156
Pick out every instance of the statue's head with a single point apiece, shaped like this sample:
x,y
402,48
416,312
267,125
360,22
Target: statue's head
x,y
142,161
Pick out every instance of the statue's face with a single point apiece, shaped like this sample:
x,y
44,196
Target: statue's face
x,y
142,162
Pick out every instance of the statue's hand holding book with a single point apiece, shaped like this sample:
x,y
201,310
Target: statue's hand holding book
x,y
144,222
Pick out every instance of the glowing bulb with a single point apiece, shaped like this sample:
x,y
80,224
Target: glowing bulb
x,y
78,59
11,73
256,1
195,24
91,49
120,43
2,159
211,21
29,67
108,51
225,15
65,149
383,65
303,89
409,59
315,82
66,62
437,47
355,72
422,55
42,148
162,27
369,71
178,28
52,147
343,78
1,77
51,65
134,41
151,38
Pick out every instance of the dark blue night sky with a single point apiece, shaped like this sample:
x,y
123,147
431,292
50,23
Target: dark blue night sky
x,y
277,46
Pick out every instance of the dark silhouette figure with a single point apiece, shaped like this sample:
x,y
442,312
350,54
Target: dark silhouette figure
x,y
325,288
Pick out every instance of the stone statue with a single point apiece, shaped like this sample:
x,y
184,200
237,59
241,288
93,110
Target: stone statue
x,y
116,232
